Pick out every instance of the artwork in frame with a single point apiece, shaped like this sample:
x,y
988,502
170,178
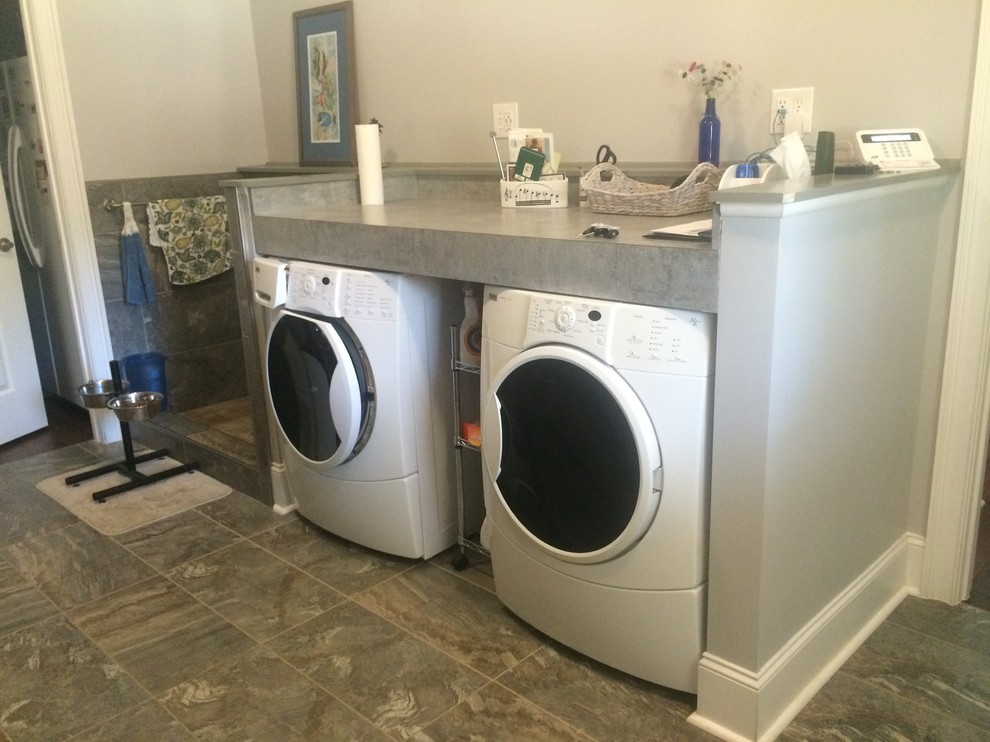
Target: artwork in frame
x,y
327,84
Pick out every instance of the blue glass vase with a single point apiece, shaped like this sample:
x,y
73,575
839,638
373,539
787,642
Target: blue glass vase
x,y
709,132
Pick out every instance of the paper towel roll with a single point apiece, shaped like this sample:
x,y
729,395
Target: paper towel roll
x,y
369,155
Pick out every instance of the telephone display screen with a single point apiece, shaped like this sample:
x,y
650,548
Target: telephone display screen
x,y
906,136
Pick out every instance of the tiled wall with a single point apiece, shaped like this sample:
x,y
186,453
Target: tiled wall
x,y
195,326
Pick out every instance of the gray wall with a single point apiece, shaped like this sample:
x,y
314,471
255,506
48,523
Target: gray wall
x,y
195,326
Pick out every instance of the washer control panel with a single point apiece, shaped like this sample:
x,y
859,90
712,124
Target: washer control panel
x,y
627,336
341,292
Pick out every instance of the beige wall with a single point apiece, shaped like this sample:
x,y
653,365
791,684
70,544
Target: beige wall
x,y
190,86
593,71
162,88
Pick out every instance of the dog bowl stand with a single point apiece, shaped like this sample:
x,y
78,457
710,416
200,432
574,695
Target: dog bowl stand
x,y
127,467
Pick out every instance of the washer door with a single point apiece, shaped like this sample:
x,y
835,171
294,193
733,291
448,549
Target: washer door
x,y
320,387
572,454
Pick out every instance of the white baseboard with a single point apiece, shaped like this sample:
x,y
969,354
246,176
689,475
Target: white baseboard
x,y
736,703
283,501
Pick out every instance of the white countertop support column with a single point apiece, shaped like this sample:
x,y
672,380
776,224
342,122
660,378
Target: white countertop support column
x,y
822,395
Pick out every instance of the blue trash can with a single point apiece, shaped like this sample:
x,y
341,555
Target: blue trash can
x,y
145,372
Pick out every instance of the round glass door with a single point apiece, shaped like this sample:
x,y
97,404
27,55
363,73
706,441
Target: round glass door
x,y
320,388
572,453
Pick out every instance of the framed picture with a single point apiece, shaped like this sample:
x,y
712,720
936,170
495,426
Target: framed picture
x,y
326,84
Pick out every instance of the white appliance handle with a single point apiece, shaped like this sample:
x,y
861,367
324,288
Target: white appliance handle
x,y
345,397
491,436
35,253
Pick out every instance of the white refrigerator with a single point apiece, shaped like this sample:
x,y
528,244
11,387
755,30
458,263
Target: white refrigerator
x,y
25,167
43,266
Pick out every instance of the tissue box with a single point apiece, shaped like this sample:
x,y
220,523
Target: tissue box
x,y
534,194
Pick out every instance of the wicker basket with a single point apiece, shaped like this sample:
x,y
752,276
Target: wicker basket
x,y
611,192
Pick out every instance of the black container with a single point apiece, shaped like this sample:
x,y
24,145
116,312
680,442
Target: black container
x,y
825,153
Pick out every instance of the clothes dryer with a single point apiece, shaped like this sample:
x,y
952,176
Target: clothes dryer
x,y
596,437
358,384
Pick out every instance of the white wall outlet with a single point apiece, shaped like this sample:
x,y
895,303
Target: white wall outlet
x,y
796,102
505,116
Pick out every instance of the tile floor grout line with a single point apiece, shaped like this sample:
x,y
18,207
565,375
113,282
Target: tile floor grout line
x,y
900,699
899,705
150,696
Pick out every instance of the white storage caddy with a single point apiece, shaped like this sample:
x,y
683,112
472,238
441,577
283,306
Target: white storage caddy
x,y
534,194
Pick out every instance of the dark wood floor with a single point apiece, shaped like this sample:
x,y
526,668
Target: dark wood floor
x,y
67,426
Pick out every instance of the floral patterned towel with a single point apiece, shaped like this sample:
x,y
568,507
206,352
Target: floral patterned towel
x,y
192,233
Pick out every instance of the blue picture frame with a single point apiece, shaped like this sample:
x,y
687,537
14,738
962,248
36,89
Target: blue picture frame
x,y
326,84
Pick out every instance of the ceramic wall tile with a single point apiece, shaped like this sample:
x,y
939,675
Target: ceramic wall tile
x,y
108,261
205,375
228,445
197,327
104,222
200,315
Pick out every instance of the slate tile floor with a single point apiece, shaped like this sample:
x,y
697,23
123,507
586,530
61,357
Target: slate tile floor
x,y
228,622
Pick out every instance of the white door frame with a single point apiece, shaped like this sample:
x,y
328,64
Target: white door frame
x,y
68,187
961,441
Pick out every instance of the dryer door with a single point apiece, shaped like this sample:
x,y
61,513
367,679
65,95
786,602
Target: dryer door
x,y
320,387
572,453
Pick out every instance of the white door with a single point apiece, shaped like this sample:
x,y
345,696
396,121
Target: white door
x,y
20,388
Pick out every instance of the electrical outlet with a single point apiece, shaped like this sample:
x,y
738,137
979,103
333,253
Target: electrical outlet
x,y
796,102
505,116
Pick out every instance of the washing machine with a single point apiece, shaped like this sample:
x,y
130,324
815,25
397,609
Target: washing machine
x,y
596,439
357,381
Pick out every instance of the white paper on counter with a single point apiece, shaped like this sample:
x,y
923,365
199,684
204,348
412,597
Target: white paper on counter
x,y
369,156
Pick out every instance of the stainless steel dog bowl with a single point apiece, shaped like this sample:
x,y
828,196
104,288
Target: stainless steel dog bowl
x,y
136,406
96,394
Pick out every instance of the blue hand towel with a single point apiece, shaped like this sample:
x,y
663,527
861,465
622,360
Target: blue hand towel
x,y
139,285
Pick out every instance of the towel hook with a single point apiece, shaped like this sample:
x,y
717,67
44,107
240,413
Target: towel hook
x,y
109,204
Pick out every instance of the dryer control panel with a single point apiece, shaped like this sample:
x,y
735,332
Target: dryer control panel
x,y
628,336
341,292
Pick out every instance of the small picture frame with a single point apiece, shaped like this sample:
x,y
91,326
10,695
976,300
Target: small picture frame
x,y
536,139
326,83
